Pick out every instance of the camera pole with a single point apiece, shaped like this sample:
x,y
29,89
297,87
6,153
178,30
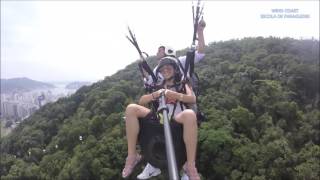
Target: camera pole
x,y
171,157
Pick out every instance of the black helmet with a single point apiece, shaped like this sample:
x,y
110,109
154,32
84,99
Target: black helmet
x,y
173,62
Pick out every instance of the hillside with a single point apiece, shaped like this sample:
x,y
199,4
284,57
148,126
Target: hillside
x,y
260,97
22,84
77,84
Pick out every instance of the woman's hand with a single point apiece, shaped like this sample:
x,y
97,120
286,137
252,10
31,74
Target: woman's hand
x,y
171,94
167,93
156,94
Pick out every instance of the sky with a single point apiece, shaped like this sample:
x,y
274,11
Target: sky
x,y
85,40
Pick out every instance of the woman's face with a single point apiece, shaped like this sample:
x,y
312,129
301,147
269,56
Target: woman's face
x,y
167,71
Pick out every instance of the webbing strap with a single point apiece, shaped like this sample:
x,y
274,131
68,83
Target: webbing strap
x,y
147,68
143,65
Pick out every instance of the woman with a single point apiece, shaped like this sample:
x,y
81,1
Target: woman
x,y
170,72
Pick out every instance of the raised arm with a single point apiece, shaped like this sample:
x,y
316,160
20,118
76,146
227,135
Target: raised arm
x,y
201,45
201,42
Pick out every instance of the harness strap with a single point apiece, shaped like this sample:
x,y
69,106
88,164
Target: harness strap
x,y
190,62
181,103
180,64
143,65
174,109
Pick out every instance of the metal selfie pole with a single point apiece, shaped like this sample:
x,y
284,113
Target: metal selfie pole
x,y
171,156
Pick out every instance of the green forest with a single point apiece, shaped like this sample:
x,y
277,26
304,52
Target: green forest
x,y
260,97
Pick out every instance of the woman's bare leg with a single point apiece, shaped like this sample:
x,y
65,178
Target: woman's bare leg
x,y
190,133
133,112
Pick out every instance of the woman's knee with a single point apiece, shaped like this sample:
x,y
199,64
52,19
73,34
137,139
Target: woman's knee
x,y
136,110
189,114
131,108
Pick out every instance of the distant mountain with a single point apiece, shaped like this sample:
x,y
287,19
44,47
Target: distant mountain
x,y
77,84
22,84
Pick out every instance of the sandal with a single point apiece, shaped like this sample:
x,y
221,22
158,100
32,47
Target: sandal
x,y
131,162
191,171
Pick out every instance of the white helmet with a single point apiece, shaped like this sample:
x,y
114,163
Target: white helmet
x,y
169,51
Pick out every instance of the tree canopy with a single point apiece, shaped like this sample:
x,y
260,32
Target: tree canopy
x,y
261,101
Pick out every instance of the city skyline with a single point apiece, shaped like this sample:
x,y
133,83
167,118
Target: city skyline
x,y
16,106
